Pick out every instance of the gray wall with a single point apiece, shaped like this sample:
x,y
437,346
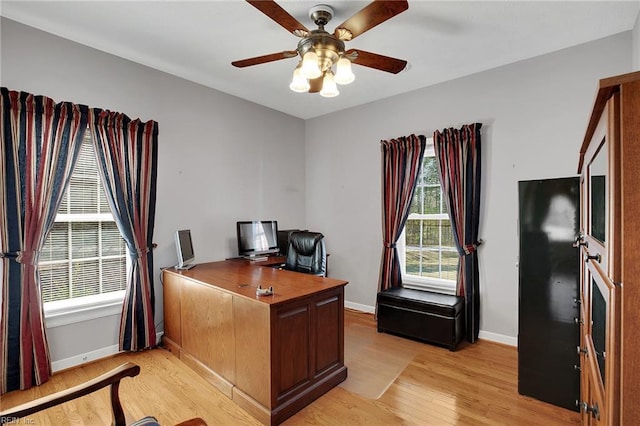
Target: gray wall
x,y
534,115
221,159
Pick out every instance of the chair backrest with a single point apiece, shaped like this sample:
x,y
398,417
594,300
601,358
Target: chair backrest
x,y
307,253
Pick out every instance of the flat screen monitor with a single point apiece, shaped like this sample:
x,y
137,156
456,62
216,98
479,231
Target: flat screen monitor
x,y
257,238
184,247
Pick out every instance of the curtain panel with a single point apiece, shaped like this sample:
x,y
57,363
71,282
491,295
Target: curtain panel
x,y
40,143
401,164
458,154
127,154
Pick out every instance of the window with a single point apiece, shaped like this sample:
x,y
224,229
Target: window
x,y
427,248
84,256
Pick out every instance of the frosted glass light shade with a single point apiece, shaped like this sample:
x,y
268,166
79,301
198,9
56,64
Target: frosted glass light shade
x,y
299,83
310,68
329,88
344,75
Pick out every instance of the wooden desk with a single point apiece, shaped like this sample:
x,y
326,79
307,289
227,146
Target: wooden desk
x,y
272,355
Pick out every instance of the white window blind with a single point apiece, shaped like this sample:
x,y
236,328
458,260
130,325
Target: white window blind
x,y
84,254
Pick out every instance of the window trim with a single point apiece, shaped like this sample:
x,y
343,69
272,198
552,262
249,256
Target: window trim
x,y
79,309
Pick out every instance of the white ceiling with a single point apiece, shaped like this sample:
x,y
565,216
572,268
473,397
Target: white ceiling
x,y
442,40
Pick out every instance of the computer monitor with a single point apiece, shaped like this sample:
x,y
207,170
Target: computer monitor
x,y
184,247
257,238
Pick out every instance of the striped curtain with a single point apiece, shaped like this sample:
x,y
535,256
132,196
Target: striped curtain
x,y
127,154
40,143
458,154
401,163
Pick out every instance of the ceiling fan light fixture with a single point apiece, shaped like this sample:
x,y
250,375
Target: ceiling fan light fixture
x,y
320,50
310,68
329,87
344,75
299,83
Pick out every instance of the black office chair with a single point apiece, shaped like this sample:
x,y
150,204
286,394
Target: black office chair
x,y
307,253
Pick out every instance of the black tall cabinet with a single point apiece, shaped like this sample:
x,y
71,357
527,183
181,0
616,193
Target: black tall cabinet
x,y
548,329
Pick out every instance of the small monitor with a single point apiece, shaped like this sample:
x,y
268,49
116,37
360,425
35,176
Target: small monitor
x,y
257,238
184,246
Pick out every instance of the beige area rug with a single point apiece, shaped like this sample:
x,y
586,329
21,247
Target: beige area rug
x,y
374,360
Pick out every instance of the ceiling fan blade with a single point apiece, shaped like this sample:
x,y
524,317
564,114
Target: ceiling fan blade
x,y
375,60
315,85
375,13
281,16
264,59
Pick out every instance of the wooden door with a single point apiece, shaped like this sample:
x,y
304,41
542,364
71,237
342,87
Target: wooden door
x,y
600,293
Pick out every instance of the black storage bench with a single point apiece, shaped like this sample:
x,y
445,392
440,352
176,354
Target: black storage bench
x,y
422,315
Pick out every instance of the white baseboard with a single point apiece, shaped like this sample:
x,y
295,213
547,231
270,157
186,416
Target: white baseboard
x,y
76,360
80,359
359,307
486,335
498,338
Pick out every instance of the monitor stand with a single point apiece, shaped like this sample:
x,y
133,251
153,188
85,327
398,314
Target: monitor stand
x,y
185,267
254,258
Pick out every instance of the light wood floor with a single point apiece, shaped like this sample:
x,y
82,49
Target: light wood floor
x,y
476,385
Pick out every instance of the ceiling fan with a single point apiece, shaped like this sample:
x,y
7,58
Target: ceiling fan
x,y
319,50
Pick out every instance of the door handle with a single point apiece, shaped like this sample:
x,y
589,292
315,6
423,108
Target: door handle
x,y
579,241
595,257
593,409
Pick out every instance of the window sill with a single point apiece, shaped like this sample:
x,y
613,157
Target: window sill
x,y
436,286
65,312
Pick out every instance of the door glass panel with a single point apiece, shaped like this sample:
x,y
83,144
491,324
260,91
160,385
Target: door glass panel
x,y
599,326
598,184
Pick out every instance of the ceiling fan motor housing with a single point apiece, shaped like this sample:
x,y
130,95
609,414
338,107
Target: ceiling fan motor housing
x,y
327,47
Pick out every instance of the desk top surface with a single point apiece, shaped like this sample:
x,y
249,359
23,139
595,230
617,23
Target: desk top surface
x,y
242,277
